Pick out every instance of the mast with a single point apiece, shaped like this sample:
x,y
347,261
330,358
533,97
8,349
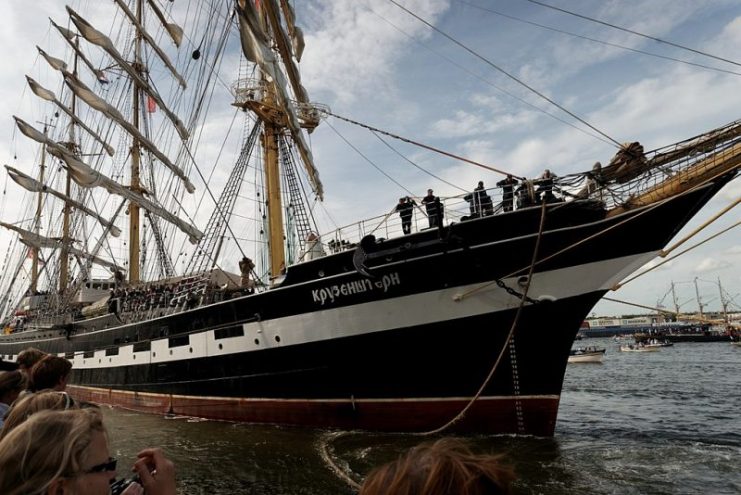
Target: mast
x,y
699,301
723,304
64,254
271,165
37,229
674,299
135,185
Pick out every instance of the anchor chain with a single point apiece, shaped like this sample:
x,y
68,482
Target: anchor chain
x,y
513,292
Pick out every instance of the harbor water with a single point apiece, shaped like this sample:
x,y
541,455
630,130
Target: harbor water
x,y
664,422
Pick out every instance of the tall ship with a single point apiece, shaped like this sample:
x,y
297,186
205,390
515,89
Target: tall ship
x,y
370,326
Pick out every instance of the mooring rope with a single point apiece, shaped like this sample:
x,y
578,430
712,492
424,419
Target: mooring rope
x,y
468,406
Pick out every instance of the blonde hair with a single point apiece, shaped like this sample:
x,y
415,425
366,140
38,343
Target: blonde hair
x,y
25,407
440,468
50,445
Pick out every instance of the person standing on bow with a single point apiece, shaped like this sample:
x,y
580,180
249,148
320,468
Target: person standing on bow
x,y
482,201
433,207
507,184
406,209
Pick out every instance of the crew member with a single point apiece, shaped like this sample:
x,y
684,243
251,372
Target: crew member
x,y
432,205
507,184
406,209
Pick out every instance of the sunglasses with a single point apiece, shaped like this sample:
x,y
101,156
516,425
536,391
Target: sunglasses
x,y
105,467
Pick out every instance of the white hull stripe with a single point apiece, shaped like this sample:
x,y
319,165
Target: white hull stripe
x,y
377,316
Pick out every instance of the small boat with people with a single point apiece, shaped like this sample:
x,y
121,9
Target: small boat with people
x,y
589,354
658,343
638,348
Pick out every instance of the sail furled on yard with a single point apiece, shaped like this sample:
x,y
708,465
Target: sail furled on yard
x,y
97,38
69,37
48,95
31,184
85,176
38,241
175,31
33,239
255,45
99,104
144,34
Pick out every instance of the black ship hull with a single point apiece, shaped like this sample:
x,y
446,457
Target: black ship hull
x,y
402,348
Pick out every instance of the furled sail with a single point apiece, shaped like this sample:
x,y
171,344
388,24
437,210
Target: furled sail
x,y
165,59
31,184
85,176
47,95
175,31
255,48
69,37
32,238
54,62
99,104
297,35
97,38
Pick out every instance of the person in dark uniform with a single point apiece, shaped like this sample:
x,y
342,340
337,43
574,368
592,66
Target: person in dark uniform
x,y
432,205
482,201
406,209
507,184
545,186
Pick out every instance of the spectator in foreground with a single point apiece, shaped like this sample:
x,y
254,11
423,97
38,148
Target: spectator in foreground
x,y
51,372
28,357
12,383
30,404
66,452
444,467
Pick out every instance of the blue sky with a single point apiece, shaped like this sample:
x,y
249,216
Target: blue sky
x,y
370,61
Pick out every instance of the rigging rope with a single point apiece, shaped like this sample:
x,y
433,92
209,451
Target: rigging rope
x,y
607,43
659,40
416,143
492,64
489,83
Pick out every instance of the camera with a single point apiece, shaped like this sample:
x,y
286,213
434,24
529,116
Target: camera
x,y
118,486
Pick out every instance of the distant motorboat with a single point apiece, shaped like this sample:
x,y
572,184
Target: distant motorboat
x,y
586,355
638,348
658,343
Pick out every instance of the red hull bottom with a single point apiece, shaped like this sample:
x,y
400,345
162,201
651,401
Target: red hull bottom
x,y
529,415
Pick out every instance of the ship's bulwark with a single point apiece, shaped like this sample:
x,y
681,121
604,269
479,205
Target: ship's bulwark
x,y
399,352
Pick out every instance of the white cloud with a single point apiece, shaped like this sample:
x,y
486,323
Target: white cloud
x,y
711,265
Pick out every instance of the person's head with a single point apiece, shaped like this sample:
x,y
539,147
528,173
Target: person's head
x,y
28,357
12,383
509,176
402,200
57,452
440,468
481,183
50,372
429,192
546,173
27,406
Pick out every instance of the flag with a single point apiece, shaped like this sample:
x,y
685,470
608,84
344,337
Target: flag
x,y
151,105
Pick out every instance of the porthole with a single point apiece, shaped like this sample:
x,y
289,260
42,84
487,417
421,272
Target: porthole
x,y
154,354
321,273
100,360
134,357
221,346
257,341
277,338
170,352
190,349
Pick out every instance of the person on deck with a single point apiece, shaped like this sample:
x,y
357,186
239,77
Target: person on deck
x,y
432,205
406,209
507,184
545,186
245,267
482,201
